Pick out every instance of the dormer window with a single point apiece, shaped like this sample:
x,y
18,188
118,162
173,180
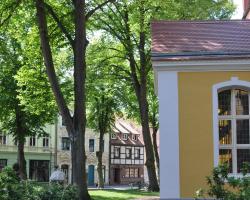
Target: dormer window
x,y
134,137
124,136
113,136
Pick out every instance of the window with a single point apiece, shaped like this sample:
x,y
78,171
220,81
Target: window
x,y
117,152
136,172
91,145
134,137
63,122
39,170
128,152
127,172
113,135
137,153
124,136
65,169
2,139
3,163
32,141
65,143
233,124
131,172
45,142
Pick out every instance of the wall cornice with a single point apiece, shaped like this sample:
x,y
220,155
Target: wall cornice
x,y
198,66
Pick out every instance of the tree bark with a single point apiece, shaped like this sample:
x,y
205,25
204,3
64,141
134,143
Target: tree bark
x,y
79,120
20,138
150,161
99,160
140,88
76,126
21,161
157,159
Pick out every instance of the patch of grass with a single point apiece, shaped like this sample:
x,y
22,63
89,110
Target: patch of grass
x,y
120,194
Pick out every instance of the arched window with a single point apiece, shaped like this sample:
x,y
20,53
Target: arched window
x,y
233,124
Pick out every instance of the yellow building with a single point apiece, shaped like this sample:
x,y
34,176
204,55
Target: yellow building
x,y
202,79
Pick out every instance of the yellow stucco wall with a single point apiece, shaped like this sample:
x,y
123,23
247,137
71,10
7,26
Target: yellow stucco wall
x,y
196,126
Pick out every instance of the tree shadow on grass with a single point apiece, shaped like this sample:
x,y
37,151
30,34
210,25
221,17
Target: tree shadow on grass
x,y
135,192
121,194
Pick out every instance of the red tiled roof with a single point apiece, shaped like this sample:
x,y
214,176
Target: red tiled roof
x,y
246,7
180,40
128,127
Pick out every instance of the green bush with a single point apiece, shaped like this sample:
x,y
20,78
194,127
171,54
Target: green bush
x,y
11,188
9,185
222,186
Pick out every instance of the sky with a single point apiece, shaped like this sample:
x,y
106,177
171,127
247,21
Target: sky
x,y
239,10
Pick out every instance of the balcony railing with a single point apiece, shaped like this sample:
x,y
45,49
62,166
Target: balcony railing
x,y
13,148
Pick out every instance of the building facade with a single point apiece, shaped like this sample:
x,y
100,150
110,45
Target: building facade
x,y
63,154
39,154
42,154
202,79
126,154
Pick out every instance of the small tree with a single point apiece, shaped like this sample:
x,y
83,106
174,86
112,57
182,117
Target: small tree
x,y
101,117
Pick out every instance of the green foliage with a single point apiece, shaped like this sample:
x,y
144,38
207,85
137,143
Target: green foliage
x,y
9,185
11,188
223,186
101,109
111,52
14,87
58,192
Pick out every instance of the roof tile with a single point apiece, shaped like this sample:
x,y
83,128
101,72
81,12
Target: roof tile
x,y
208,39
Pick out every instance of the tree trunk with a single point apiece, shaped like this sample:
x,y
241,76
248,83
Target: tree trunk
x,y
75,127
99,160
79,176
157,159
21,160
79,120
141,94
20,138
143,105
150,161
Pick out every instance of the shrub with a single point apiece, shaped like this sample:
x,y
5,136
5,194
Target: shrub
x,y
222,186
12,188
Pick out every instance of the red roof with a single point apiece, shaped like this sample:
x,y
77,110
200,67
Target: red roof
x,y
181,40
246,7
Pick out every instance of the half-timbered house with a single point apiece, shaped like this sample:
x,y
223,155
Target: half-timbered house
x,y
126,154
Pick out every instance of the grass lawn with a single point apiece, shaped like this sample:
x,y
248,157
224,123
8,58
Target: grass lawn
x,y
119,194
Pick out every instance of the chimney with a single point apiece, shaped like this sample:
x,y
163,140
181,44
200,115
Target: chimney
x,y
246,9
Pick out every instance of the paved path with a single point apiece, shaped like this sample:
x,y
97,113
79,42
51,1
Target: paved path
x,y
114,187
149,198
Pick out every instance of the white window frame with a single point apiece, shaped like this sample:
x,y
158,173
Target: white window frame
x,y
34,142
117,152
113,135
128,150
134,137
234,83
62,146
125,136
3,135
46,139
